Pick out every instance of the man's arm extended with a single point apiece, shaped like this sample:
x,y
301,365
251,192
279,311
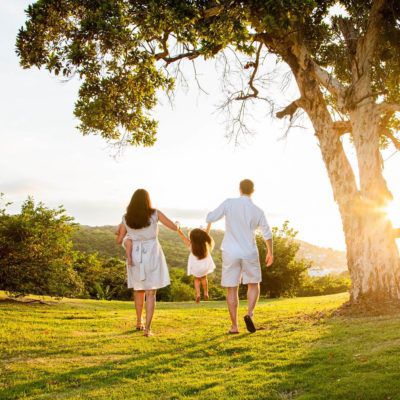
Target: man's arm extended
x,y
217,214
267,235
269,258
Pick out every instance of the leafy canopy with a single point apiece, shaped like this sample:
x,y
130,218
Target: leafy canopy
x,y
121,49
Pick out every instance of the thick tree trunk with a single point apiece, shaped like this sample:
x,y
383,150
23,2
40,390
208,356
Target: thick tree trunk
x,y
372,254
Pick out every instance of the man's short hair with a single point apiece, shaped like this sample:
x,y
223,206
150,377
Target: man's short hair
x,y
247,186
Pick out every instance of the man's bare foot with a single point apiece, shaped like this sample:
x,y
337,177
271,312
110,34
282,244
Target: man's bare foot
x,y
206,296
197,299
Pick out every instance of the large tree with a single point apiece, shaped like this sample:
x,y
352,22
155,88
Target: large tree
x,y
346,66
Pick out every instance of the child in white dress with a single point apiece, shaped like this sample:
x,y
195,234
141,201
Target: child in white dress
x,y
200,262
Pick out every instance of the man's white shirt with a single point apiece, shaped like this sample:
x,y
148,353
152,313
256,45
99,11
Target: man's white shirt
x,y
242,219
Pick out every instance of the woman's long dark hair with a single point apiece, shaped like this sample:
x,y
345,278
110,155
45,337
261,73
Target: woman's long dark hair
x,y
201,243
139,210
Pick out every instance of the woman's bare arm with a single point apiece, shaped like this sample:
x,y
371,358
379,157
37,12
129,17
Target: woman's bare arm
x,y
185,240
166,221
121,232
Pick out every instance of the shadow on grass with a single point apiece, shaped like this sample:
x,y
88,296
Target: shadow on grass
x,y
298,355
355,358
111,373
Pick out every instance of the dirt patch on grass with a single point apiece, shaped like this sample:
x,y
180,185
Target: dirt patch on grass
x,y
27,301
369,308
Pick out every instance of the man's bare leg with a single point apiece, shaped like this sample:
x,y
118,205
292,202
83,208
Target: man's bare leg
x,y
253,293
232,298
139,302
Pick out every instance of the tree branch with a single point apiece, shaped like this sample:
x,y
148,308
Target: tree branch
x,y
329,82
190,55
367,44
388,108
290,109
255,66
342,127
361,88
349,34
164,45
323,77
393,139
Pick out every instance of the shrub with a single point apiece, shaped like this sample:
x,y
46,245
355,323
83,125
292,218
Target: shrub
x,y
287,273
36,252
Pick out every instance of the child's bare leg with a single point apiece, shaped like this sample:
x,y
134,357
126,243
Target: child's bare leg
x,y
197,288
128,249
204,283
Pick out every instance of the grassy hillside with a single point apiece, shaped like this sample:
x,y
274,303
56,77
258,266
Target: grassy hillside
x,y
101,239
86,349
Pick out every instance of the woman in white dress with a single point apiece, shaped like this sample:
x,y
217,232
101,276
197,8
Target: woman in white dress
x,y
146,268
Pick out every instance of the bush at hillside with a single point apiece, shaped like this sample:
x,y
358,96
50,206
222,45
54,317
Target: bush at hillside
x,y
103,278
43,252
36,252
321,285
287,273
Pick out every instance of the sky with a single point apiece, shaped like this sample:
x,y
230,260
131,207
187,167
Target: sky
x,y
190,170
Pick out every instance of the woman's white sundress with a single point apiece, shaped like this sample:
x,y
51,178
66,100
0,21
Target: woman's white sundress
x,y
149,270
199,268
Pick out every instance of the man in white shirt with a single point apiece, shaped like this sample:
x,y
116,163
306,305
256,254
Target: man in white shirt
x,y
240,258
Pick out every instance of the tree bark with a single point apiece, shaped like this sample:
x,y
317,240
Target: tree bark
x,y
372,254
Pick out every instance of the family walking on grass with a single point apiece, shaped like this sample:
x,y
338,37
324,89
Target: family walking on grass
x,y
147,268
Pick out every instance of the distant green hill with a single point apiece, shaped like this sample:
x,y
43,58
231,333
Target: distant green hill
x,y
101,239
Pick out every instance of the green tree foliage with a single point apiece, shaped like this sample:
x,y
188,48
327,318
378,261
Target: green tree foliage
x,y
36,252
103,278
287,273
121,49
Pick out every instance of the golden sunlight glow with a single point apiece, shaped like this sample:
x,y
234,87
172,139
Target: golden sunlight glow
x,y
393,213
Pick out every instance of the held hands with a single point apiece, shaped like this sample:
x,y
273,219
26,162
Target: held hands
x,y
269,259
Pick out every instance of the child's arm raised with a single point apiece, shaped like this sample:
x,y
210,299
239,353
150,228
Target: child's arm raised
x,y
208,229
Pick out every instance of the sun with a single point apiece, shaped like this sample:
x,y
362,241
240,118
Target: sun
x,y
392,211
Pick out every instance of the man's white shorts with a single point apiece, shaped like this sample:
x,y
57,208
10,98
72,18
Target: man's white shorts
x,y
236,270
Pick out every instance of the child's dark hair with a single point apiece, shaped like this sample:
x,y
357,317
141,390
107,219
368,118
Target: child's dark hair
x,y
201,243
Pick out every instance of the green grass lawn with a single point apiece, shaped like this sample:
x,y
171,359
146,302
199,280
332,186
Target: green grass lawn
x,y
87,349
